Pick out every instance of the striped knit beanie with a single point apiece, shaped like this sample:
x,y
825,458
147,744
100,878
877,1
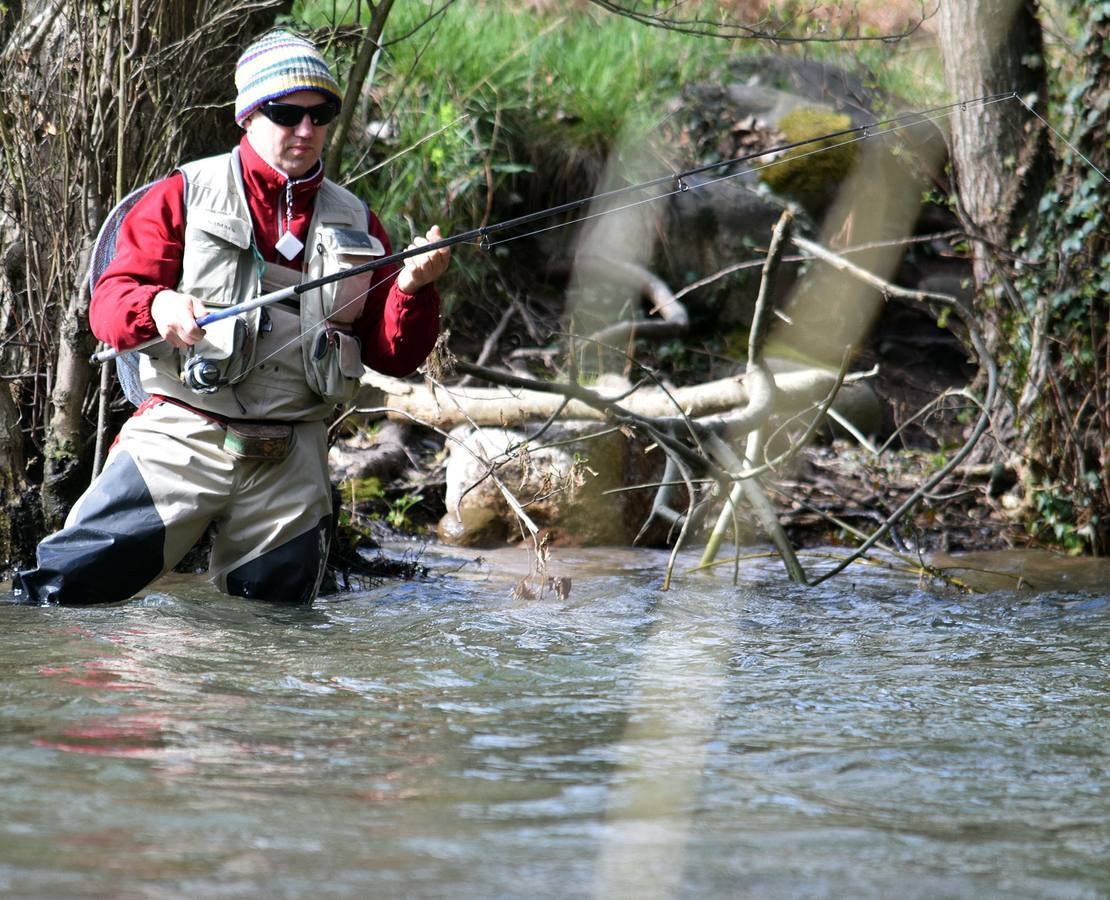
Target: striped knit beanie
x,y
277,64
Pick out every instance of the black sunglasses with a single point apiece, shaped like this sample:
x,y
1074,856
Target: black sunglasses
x,y
289,115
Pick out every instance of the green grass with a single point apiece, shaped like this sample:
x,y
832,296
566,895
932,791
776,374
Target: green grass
x,y
519,91
598,68
491,94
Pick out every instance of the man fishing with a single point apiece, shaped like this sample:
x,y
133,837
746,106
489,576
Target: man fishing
x,y
233,432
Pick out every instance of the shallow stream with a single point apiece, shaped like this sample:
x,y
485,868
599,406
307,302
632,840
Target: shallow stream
x,y
873,737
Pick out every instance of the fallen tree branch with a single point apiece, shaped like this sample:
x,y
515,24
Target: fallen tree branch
x,y
532,399
759,412
688,423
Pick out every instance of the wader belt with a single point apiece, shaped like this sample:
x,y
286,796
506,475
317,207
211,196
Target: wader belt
x,y
245,438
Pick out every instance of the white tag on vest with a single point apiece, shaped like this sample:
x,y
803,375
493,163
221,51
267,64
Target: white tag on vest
x,y
288,245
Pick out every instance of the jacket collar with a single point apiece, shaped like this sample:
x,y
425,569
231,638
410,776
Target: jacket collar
x,y
264,181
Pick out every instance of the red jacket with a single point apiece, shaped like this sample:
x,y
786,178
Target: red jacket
x,y
397,330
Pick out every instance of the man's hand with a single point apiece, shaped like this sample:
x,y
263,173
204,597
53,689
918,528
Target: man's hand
x,y
424,268
175,316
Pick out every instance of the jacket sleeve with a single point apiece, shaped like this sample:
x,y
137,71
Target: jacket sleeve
x,y
397,330
149,250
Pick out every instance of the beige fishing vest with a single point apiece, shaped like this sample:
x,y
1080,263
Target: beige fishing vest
x,y
293,360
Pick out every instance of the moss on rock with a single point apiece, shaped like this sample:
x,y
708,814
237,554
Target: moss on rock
x,y
809,177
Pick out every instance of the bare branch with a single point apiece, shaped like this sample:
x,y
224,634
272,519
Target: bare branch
x,y
766,29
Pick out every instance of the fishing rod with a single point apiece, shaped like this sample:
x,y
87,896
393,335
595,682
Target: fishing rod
x,y
481,235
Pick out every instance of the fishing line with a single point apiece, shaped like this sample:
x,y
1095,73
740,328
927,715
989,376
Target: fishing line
x,y
481,236
880,128
866,135
1069,144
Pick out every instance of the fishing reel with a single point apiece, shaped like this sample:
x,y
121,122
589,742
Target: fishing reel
x,y
202,375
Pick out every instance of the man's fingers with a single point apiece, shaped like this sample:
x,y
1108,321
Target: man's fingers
x,y
175,316
199,312
424,268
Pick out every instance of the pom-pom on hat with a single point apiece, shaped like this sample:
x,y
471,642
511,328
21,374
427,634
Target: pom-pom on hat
x,y
277,64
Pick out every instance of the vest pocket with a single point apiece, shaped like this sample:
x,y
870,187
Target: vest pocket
x,y
333,356
335,366
215,245
337,250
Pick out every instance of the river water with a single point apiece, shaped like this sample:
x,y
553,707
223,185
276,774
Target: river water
x,y
873,737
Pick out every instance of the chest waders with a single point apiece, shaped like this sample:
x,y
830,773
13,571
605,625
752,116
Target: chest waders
x,y
184,464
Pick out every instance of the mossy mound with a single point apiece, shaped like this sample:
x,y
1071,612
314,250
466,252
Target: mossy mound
x,y
803,174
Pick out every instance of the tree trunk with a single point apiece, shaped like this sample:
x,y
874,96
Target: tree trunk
x,y
368,47
1000,153
18,526
65,469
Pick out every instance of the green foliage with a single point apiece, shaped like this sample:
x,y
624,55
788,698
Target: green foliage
x,y
524,83
398,515
356,491
1055,519
474,74
368,497
1067,249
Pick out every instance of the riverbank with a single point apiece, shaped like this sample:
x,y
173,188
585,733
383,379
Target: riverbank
x,y
834,494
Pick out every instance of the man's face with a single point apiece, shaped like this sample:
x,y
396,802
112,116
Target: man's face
x,y
290,149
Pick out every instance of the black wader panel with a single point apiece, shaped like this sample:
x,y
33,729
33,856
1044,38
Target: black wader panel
x,y
110,551
290,573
